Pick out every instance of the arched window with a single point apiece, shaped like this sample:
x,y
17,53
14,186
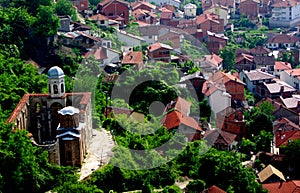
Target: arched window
x,y
55,89
62,88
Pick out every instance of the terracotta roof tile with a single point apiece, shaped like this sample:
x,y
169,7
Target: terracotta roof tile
x,y
215,189
213,59
288,3
133,58
283,187
179,104
166,15
219,136
174,119
157,46
98,17
99,54
283,38
282,66
260,50
285,131
243,56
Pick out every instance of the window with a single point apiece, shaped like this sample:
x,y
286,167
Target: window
x,y
102,22
55,89
62,88
110,14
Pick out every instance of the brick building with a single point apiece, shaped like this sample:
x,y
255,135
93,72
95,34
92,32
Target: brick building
x,y
249,8
159,52
58,122
115,9
81,5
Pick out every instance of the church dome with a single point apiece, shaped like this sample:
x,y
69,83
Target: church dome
x,y
55,72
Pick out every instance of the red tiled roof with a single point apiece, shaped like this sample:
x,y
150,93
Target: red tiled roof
x,y
287,3
294,72
207,16
215,189
166,15
133,58
157,46
136,5
219,136
117,111
260,50
213,59
98,17
282,66
174,119
243,56
224,78
107,2
285,130
99,54
283,187
283,38
179,104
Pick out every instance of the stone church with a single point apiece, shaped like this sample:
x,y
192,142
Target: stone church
x,y
58,122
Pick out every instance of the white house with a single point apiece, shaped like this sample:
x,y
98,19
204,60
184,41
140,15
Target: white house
x,y
280,67
190,10
254,77
291,77
218,98
285,13
129,39
282,41
222,11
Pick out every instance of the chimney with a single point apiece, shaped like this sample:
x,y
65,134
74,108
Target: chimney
x,y
281,88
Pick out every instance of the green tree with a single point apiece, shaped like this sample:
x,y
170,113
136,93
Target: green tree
x,y
65,7
171,189
228,55
195,186
47,22
292,156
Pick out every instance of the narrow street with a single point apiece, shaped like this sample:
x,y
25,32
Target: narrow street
x,y
98,153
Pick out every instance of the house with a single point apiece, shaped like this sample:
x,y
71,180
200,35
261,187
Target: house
x,y
65,24
270,174
232,120
217,97
253,78
144,16
280,110
189,10
166,17
292,102
143,5
291,77
115,9
215,42
59,122
134,59
281,66
150,33
103,55
220,10
285,14
129,39
210,22
179,104
100,20
284,131
244,62
283,187
220,139
233,86
211,63
230,4
250,8
275,89
174,38
184,124
265,7
78,39
159,52
194,82
282,41
81,5
262,58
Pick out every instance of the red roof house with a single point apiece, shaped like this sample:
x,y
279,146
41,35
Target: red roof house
x,y
283,187
249,8
115,9
159,52
134,59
